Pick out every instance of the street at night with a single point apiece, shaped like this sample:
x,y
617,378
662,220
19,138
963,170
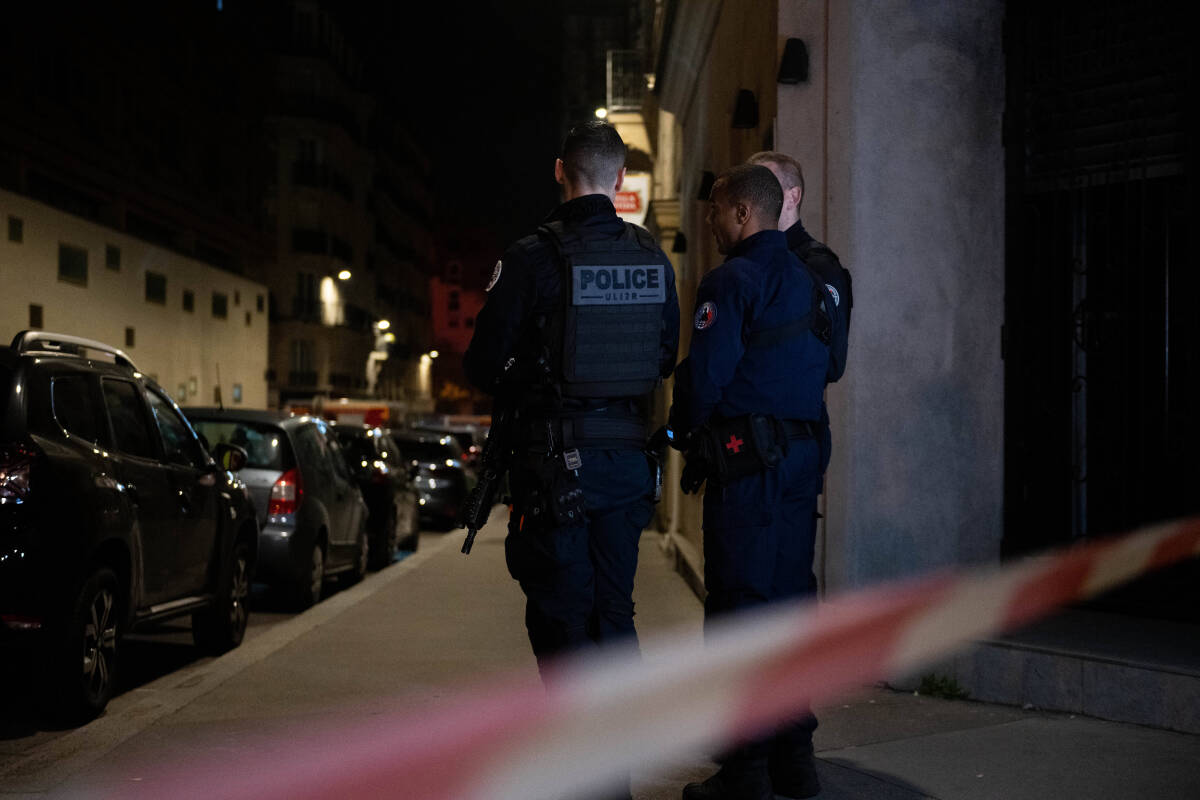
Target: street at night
x,y
612,399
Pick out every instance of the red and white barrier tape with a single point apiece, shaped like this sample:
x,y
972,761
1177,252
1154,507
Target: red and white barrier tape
x,y
606,714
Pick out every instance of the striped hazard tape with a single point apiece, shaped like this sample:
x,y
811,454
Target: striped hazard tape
x,y
613,712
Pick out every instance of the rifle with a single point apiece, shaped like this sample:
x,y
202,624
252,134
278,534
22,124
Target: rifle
x,y
493,464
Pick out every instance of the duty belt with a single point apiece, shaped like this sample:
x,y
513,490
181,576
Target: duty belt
x,y
590,430
799,428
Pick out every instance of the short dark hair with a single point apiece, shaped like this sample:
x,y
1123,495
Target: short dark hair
x,y
754,185
790,167
593,153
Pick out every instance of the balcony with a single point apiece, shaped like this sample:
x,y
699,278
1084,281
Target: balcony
x,y
321,176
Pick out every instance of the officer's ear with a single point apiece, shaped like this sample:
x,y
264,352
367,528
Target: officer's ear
x,y
620,179
741,212
560,174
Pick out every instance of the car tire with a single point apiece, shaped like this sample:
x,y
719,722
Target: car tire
x,y
361,556
89,639
308,589
221,628
383,544
413,538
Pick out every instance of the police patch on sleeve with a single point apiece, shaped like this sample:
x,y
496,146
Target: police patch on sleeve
x,y
706,315
495,276
837,300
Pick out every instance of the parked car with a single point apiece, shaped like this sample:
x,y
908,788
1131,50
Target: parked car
x,y
387,487
469,438
312,515
112,516
441,480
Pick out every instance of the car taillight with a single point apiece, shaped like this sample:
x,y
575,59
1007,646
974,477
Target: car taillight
x,y
14,475
286,493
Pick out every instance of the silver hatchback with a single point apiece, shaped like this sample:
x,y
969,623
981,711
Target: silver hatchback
x,y
311,514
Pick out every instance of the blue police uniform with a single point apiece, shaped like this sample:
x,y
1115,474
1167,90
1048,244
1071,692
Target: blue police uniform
x,y
578,577
759,530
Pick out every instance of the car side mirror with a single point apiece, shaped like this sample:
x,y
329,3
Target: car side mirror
x,y
229,456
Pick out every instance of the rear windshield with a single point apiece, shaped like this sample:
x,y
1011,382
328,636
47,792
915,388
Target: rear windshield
x,y
356,445
431,450
266,445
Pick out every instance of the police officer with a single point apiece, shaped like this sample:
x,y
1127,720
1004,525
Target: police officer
x,y
748,400
582,322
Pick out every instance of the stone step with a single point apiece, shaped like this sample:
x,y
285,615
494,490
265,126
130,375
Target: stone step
x,y
1106,665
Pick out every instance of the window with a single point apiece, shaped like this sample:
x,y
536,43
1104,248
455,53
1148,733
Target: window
x,y
156,288
220,305
306,295
189,300
16,229
249,317
112,257
302,359
129,337
35,316
237,297
469,322
179,445
75,407
128,416
259,303
72,264
453,302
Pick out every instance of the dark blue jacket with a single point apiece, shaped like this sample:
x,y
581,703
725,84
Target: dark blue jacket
x,y
760,286
530,285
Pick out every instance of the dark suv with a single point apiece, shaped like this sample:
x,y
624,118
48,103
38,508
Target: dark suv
x,y
112,515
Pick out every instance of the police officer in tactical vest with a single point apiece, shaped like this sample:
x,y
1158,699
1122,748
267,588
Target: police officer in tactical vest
x,y
748,401
582,322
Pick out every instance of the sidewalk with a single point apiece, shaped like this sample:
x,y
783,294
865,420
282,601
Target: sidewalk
x,y
437,619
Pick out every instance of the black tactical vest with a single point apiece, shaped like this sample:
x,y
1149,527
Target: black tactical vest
x,y
604,337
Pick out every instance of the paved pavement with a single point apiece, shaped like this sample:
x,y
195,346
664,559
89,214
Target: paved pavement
x,y
419,628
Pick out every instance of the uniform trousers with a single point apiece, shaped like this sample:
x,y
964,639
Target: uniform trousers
x,y
759,538
578,579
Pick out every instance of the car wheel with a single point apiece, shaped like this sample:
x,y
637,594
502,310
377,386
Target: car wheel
x,y
222,627
413,538
308,592
84,660
362,553
383,545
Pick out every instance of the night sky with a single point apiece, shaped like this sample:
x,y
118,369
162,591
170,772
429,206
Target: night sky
x,y
481,91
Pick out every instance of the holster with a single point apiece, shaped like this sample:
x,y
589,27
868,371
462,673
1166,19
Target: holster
x,y
741,446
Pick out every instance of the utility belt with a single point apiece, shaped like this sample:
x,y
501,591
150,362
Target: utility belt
x,y
550,450
738,447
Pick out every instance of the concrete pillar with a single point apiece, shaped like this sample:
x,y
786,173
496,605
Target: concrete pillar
x,y
899,133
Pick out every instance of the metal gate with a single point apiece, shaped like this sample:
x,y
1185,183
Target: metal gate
x,y
1102,318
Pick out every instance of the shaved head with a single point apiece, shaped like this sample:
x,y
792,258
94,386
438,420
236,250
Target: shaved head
x,y
592,154
753,186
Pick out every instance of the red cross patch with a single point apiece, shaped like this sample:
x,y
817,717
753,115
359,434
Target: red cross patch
x,y
734,443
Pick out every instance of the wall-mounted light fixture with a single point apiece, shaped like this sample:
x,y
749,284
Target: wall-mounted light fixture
x,y
344,275
793,66
745,110
601,112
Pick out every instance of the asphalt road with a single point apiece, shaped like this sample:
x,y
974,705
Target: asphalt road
x,y
145,657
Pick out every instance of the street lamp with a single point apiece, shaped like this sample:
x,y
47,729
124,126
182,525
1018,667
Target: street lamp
x,y
383,324
601,112
433,353
344,275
